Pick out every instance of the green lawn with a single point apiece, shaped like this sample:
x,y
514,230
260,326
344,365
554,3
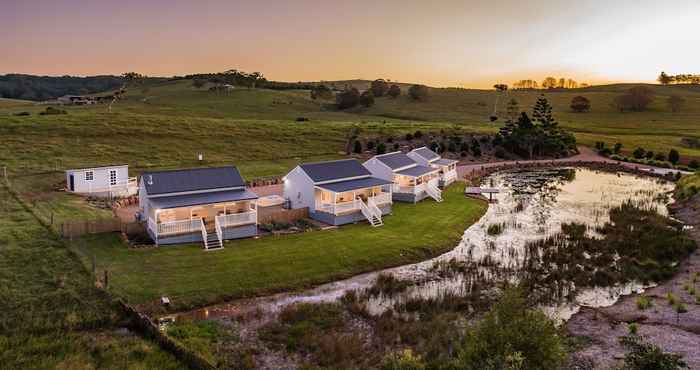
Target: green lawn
x,y
190,276
52,314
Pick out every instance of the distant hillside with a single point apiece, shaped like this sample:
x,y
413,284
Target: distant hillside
x,y
38,88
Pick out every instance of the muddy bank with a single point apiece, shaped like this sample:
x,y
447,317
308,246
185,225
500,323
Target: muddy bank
x,y
660,324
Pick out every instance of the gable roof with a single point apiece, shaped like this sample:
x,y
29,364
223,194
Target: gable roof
x,y
417,171
187,200
192,180
396,160
334,170
426,153
347,185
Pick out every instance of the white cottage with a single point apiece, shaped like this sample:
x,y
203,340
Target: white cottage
x,y
412,182
338,192
108,181
447,168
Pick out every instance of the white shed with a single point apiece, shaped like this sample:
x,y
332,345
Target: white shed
x,y
108,181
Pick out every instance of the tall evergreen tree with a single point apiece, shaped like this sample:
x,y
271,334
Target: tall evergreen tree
x,y
542,113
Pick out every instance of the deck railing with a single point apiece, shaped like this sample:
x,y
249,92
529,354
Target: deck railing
x,y
177,227
236,219
353,205
381,198
408,189
449,175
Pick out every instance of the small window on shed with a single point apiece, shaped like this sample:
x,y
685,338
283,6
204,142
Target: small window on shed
x,y
89,176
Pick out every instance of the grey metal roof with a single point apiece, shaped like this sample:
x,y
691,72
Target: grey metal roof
x,y
417,171
445,161
396,160
426,153
187,200
341,186
193,179
334,170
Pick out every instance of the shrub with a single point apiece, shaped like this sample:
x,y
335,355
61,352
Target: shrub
x,y
617,148
606,152
660,157
495,229
633,328
511,331
452,147
644,302
500,152
476,148
409,136
347,99
642,355
418,134
694,164
418,92
370,145
673,156
302,119
357,147
670,298
639,153
396,146
649,154
379,87
580,104
381,148
394,91
21,114
52,110
405,360
367,99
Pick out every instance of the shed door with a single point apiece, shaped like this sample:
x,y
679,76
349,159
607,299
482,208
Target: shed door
x,y
71,184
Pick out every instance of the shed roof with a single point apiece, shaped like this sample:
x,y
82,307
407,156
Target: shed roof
x,y
97,168
426,153
417,171
334,170
341,186
396,160
192,180
187,200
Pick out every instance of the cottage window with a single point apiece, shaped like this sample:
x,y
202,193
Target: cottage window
x,y
113,177
89,176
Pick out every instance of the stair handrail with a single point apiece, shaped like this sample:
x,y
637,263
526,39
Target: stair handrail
x,y
204,235
219,232
373,207
433,191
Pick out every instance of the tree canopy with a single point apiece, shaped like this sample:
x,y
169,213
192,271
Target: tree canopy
x,y
580,104
418,92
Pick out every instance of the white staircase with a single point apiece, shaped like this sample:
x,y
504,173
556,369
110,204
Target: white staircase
x,y
433,191
371,212
212,241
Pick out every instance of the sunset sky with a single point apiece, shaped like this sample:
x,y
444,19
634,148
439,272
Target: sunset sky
x,y
441,42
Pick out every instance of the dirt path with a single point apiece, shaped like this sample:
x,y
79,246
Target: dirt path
x,y
660,324
585,155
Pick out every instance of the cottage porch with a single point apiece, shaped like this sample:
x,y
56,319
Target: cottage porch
x,y
202,219
344,202
415,184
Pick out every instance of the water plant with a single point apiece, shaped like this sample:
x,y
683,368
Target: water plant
x,y
694,277
633,328
671,298
644,302
387,284
496,229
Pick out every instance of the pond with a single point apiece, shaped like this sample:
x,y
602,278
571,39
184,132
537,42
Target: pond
x,y
532,205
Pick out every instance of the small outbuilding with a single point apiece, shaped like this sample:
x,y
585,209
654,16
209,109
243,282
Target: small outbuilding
x,y
107,181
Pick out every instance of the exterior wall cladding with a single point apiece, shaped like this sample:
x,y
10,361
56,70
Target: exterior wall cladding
x,y
348,218
245,231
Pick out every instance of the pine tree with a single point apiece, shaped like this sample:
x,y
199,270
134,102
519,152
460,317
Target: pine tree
x,y
542,114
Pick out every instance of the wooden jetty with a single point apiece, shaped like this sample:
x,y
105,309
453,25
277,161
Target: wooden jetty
x,y
481,191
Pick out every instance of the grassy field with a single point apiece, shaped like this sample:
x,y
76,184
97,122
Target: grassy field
x,y
52,315
165,125
257,266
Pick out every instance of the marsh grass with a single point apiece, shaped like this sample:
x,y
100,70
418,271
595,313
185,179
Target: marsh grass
x,y
644,302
